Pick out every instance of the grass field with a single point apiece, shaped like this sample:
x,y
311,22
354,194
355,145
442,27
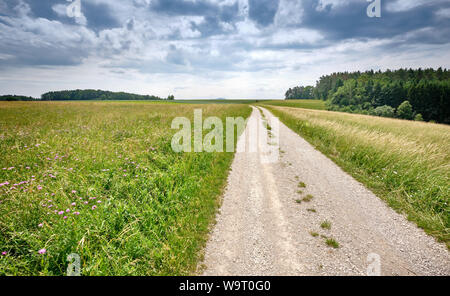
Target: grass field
x,y
306,104
405,163
100,179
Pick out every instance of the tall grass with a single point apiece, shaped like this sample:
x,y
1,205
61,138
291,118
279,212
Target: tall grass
x,y
306,104
405,163
100,179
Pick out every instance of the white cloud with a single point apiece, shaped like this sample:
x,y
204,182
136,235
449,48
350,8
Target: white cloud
x,y
290,12
334,3
443,13
295,36
61,10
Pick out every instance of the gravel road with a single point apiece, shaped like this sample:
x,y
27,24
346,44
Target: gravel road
x,y
262,229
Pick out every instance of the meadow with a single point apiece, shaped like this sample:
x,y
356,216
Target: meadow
x,y
405,163
100,179
306,104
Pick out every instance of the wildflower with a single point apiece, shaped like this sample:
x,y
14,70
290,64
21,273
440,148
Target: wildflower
x,y
42,251
60,212
41,225
94,207
74,191
39,187
4,253
86,202
74,204
76,213
65,217
68,211
99,201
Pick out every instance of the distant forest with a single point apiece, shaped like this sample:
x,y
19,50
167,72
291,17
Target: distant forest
x,y
16,98
422,94
84,95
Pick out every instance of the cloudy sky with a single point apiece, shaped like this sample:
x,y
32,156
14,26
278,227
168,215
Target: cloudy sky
x,y
211,48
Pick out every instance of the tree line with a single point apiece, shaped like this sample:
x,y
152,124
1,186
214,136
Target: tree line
x,y
87,94
16,98
300,93
426,92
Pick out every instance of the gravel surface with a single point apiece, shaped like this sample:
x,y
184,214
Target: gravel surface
x,y
262,229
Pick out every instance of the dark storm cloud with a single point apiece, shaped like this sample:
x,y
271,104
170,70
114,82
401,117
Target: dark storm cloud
x,y
213,14
226,13
351,21
263,11
99,15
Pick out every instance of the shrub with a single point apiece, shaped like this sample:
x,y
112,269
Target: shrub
x,y
418,117
384,111
405,111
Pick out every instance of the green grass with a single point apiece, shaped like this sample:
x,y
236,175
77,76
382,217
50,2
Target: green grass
x,y
215,102
305,104
301,185
153,207
308,198
405,163
325,225
331,242
314,234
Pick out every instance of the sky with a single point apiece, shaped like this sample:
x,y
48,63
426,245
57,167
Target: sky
x,y
206,49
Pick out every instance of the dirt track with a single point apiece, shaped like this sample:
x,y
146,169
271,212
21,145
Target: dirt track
x,y
262,230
